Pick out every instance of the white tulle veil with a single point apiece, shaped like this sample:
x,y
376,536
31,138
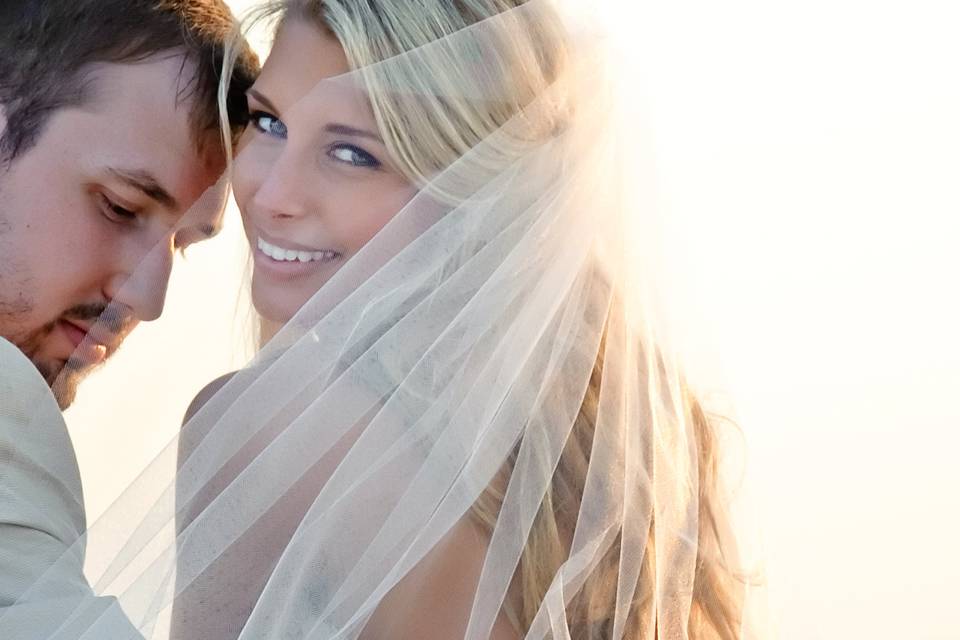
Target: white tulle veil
x,y
449,373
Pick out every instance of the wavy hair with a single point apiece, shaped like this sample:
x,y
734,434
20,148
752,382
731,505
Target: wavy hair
x,y
428,127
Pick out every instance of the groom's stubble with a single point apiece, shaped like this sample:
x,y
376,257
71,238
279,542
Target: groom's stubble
x,y
16,308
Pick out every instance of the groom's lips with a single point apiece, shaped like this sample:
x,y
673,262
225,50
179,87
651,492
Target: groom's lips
x,y
86,348
75,332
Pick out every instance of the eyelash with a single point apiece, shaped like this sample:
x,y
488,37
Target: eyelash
x,y
366,160
256,116
114,211
277,129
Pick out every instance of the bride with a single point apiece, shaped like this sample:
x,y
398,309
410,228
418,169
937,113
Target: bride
x,y
465,420
437,170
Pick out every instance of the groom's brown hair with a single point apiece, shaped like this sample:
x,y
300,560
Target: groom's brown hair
x,y
47,48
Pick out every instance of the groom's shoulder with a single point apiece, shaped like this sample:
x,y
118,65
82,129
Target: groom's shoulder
x,y
31,423
23,391
39,479
15,365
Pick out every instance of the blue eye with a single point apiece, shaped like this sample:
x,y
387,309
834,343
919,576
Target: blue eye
x,y
354,156
268,124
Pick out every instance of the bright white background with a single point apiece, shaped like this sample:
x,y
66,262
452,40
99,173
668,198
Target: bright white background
x,y
808,155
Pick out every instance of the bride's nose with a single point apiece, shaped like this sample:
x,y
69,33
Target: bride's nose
x,y
284,191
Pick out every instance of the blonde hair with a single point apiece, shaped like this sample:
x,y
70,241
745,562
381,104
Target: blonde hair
x,y
428,127
716,600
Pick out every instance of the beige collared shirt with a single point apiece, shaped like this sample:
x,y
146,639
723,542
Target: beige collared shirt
x,y
43,591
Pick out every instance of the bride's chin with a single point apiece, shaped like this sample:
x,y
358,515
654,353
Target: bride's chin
x,y
274,305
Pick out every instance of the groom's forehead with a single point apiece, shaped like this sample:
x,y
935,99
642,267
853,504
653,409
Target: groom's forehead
x,y
136,120
158,86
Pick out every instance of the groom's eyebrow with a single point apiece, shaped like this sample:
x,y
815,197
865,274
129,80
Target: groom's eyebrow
x,y
145,182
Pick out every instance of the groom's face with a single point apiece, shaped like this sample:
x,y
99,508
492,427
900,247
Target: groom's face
x,y
92,213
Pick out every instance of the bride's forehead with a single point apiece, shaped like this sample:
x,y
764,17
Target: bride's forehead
x,y
320,103
305,54
307,73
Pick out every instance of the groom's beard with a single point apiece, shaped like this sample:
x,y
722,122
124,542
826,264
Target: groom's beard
x,y
110,328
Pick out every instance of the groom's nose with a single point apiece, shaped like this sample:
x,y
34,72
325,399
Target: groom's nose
x,y
143,286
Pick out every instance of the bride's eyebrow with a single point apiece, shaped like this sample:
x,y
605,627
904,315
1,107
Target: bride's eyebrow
x,y
262,99
346,130
335,128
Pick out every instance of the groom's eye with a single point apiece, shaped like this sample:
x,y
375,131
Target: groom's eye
x,y
268,124
113,211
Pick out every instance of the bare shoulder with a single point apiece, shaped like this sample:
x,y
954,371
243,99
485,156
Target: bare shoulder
x,y
192,434
434,600
205,394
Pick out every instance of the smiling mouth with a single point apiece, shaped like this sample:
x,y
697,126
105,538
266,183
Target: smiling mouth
x,y
281,254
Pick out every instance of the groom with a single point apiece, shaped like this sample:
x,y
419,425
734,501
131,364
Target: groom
x,y
110,160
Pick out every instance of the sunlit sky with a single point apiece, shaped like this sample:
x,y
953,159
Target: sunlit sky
x,y
807,157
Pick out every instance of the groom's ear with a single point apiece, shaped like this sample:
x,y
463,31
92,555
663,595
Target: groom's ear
x,y
3,130
3,135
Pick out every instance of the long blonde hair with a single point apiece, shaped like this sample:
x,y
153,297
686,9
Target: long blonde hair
x,y
716,600
428,129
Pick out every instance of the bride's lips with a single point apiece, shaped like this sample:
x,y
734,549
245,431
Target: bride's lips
x,y
288,259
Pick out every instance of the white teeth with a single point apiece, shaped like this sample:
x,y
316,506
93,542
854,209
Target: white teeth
x,y
290,255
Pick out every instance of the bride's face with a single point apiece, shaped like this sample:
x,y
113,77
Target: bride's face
x,y
312,177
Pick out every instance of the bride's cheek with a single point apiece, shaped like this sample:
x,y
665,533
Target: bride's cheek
x,y
242,187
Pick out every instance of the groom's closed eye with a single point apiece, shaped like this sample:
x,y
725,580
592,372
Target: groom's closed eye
x,y
115,211
144,182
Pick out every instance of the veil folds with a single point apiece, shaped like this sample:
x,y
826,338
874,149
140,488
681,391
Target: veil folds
x,y
494,360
